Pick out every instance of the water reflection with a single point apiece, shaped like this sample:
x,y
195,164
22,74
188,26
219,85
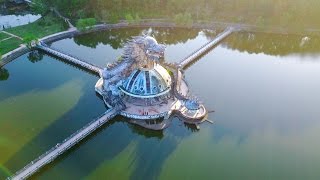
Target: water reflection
x,y
191,127
12,14
144,132
265,113
116,38
106,46
8,21
41,106
266,116
146,152
274,44
52,122
4,74
147,133
35,56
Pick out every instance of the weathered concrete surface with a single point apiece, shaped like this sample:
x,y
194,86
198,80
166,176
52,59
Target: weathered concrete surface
x,y
12,55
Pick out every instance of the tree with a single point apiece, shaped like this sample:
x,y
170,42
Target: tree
x,y
113,18
129,18
83,24
137,18
40,7
30,40
183,19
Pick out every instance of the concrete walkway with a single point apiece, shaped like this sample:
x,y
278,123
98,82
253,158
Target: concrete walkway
x,y
12,55
10,34
67,20
6,39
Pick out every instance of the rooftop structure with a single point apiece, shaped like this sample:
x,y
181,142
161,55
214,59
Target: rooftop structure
x,y
146,89
147,83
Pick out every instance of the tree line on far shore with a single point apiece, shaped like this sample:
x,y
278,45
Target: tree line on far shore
x,y
286,13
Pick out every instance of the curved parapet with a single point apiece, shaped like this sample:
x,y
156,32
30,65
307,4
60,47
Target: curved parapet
x,y
99,86
189,109
192,116
12,55
144,117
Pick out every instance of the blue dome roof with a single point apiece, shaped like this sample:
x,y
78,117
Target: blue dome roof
x,y
147,82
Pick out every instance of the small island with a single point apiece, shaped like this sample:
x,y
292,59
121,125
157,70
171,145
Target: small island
x,y
146,89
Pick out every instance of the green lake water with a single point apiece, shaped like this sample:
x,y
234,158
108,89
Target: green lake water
x,y
263,88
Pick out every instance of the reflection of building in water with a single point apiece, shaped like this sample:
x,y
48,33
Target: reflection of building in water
x,y
146,89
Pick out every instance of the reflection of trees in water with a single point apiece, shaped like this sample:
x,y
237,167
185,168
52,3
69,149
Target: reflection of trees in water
x,y
152,151
148,133
273,44
116,38
145,132
211,34
172,36
35,56
4,74
155,146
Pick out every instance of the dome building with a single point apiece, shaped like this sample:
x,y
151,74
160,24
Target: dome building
x,y
148,83
144,88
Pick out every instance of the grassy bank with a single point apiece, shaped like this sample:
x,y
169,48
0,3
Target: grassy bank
x,y
9,45
47,25
3,36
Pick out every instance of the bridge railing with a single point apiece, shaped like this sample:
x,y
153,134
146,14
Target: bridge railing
x,y
204,47
61,53
195,51
67,54
67,139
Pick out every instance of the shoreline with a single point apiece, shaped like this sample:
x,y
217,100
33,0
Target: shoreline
x,y
161,23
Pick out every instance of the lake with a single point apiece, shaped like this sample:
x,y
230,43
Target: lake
x,y
8,21
263,88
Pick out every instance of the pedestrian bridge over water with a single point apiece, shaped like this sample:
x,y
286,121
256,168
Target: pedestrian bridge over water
x,y
69,142
184,63
69,58
75,138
